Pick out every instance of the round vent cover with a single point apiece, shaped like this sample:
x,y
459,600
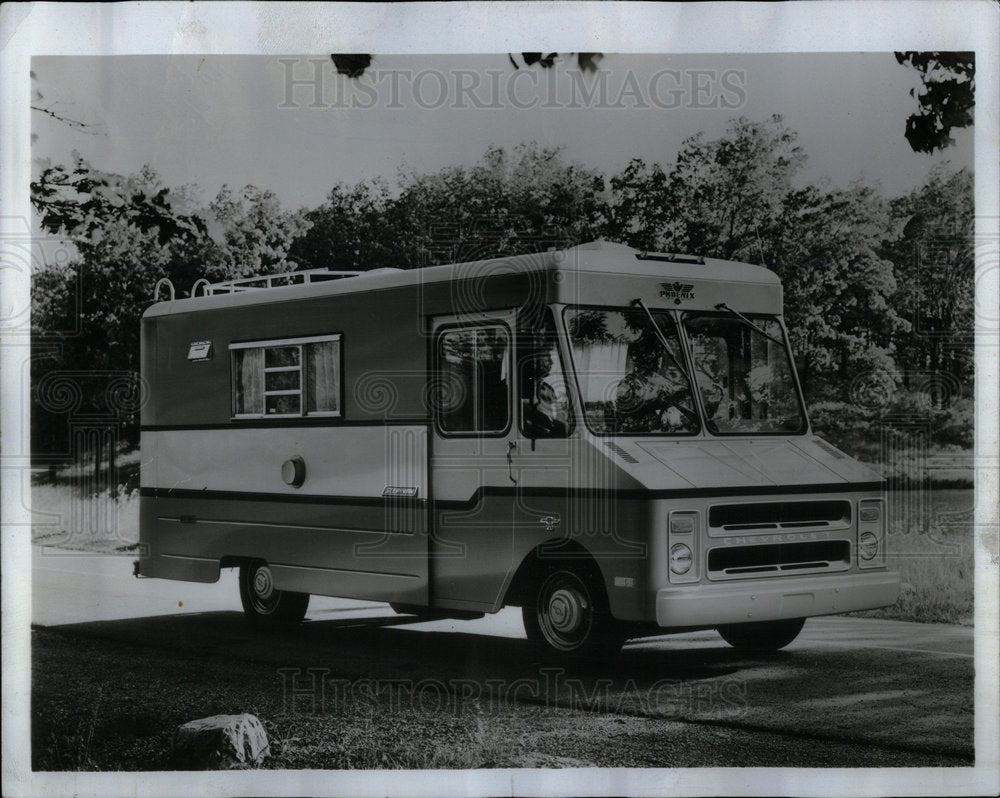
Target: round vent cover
x,y
293,471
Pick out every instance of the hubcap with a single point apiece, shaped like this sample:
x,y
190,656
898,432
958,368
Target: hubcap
x,y
262,584
566,609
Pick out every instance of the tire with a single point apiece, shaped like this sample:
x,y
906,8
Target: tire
x,y
265,607
567,619
762,636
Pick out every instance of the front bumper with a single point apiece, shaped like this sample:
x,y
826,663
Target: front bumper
x,y
743,601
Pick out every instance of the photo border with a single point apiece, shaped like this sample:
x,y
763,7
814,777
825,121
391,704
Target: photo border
x,y
235,28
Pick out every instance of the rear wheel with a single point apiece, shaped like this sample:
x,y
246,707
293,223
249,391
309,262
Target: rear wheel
x,y
762,636
265,606
567,617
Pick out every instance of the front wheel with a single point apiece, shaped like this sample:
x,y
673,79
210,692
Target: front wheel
x,y
567,617
763,635
265,606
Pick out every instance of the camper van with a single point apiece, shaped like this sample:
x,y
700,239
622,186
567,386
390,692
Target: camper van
x,y
614,441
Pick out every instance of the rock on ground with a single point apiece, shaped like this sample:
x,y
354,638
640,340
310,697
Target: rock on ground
x,y
221,741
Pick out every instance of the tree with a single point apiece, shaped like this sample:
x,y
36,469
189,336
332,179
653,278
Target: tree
x,y
254,234
85,315
727,193
526,200
508,203
77,202
720,198
348,231
840,291
128,232
934,261
639,212
948,98
40,105
733,198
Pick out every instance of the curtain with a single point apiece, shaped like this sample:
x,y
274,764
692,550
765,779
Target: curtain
x,y
249,381
600,367
323,377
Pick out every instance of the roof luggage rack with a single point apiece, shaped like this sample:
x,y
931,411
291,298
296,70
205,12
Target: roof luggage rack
x,y
269,281
671,257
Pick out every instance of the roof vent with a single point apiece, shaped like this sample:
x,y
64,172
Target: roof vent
x,y
671,257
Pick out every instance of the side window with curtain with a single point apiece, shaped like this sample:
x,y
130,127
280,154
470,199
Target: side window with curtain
x,y
473,381
287,378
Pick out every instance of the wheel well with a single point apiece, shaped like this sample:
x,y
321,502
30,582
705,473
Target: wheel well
x,y
541,556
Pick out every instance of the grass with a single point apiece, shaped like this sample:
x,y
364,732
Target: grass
x,y
931,546
101,704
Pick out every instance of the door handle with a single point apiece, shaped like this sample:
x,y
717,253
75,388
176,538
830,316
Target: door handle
x,y
511,446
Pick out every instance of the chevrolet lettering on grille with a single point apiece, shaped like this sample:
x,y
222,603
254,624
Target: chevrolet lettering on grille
x,y
782,538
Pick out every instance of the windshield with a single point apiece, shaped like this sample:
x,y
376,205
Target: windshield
x,y
745,378
628,382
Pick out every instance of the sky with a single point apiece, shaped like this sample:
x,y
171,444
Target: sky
x,y
291,125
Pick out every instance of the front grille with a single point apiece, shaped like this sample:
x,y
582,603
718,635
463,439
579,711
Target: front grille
x,y
775,516
779,558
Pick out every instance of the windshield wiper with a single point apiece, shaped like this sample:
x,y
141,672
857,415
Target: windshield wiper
x,y
745,320
663,340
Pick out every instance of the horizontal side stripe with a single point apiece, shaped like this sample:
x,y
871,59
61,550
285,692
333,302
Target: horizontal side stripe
x,y
735,493
296,498
310,527
294,567
263,423
490,490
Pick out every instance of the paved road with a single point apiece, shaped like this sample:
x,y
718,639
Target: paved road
x,y
848,691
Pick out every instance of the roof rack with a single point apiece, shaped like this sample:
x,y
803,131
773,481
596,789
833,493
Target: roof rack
x,y
671,257
269,281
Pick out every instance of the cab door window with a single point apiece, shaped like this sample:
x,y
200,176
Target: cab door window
x,y
473,380
544,398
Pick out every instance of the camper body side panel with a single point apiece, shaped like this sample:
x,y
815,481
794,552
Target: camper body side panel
x,y
212,492
212,486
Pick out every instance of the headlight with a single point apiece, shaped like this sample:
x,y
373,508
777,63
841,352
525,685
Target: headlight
x,y
867,546
680,558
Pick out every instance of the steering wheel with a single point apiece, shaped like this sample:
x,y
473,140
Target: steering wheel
x,y
673,401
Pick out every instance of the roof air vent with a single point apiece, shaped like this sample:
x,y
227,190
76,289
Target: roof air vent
x,y
671,257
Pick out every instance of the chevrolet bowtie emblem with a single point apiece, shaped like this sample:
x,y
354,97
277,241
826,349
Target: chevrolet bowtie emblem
x,y
550,522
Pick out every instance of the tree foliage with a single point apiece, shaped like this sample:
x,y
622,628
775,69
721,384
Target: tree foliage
x,y
947,100
840,291
79,201
737,197
934,261
128,232
871,286
509,202
348,231
720,198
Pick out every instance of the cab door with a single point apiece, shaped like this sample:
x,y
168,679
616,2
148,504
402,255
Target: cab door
x,y
474,445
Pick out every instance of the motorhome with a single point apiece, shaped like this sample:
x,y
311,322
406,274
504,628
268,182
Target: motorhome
x,y
612,440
